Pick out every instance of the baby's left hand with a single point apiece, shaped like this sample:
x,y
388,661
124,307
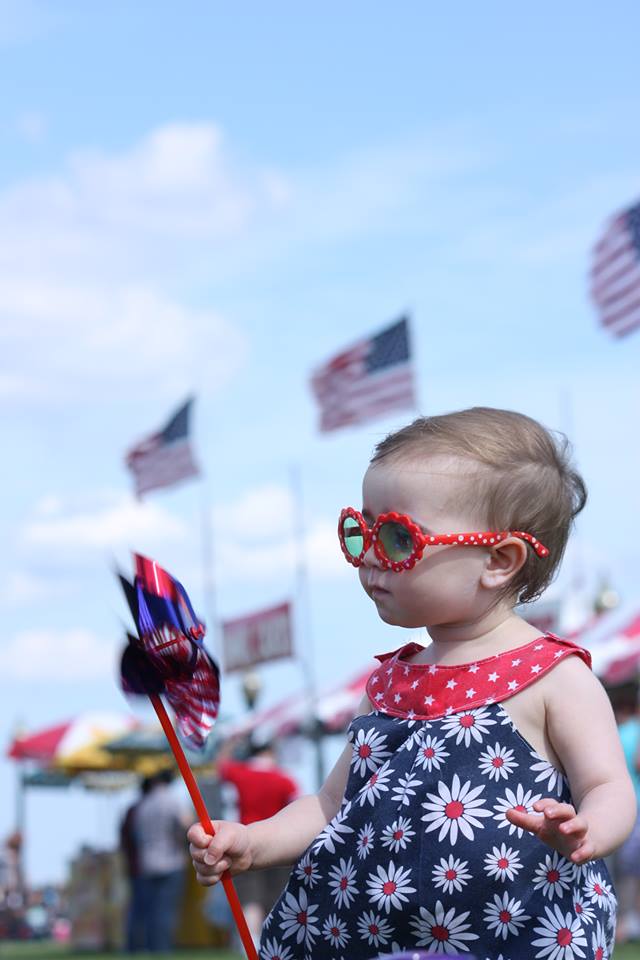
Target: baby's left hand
x,y
559,826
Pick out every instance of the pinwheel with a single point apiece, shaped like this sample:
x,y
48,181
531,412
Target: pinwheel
x,y
167,657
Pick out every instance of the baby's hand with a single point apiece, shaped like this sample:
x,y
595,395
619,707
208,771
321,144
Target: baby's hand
x,y
213,856
559,826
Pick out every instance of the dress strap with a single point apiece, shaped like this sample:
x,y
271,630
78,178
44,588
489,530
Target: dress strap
x,y
422,691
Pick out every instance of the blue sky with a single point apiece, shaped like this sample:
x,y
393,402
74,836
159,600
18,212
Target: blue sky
x,y
215,198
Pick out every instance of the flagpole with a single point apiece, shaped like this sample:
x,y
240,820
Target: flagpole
x,y
303,617
208,575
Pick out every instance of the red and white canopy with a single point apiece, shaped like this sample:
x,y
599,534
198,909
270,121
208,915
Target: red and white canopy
x,y
614,644
334,710
51,745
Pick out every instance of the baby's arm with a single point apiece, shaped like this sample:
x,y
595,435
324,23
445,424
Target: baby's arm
x,y
280,839
583,733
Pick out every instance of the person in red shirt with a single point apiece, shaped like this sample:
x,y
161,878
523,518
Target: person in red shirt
x,y
263,789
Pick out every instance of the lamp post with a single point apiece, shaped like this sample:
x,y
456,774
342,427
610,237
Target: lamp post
x,y
606,598
251,688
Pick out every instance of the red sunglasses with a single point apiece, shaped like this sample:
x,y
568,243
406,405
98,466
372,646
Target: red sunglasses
x,y
399,543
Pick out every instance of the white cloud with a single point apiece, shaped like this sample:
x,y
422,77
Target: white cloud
x,y
111,521
91,258
55,655
256,537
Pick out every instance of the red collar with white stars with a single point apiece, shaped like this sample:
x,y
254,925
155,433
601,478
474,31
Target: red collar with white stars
x,y
423,691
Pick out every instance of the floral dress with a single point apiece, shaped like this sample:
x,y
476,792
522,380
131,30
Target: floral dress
x,y
421,854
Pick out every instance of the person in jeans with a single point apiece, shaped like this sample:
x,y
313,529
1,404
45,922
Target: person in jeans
x,y
159,823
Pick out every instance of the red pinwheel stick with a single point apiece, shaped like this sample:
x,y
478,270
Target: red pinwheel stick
x,y
205,820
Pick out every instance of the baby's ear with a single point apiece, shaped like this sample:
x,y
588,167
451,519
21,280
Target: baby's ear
x,y
503,562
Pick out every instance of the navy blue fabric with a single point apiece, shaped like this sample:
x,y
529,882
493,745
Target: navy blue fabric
x,y
421,854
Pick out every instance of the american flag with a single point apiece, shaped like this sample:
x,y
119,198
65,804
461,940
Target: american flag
x,y
165,457
368,380
615,274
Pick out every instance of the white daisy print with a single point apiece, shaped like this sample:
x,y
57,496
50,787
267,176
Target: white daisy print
x,y
503,863
451,874
583,910
374,929
553,875
547,774
442,931
377,784
307,871
404,790
560,936
414,737
368,750
389,888
397,835
599,943
342,882
432,753
454,809
272,950
335,931
521,799
332,833
497,762
471,724
366,837
296,918
597,890
505,915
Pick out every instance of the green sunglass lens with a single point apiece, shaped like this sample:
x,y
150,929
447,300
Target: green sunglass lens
x,y
397,541
352,534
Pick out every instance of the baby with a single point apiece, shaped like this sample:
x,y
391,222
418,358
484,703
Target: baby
x,y
483,781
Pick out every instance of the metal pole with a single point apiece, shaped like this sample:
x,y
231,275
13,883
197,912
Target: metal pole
x,y
303,618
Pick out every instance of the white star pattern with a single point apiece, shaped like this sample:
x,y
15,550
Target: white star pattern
x,y
428,701
493,677
513,685
451,684
470,693
474,668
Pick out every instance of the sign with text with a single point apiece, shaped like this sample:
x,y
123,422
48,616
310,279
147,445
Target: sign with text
x,y
258,638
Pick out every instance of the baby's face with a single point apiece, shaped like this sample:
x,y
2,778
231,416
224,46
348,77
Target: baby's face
x,y
443,587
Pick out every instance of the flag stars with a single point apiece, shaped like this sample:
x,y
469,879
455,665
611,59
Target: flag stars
x,y
559,653
470,693
379,696
432,669
375,679
474,668
536,668
415,684
493,677
397,698
451,684
516,662
512,685
428,701
538,646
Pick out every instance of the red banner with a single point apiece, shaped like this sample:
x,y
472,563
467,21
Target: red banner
x,y
258,638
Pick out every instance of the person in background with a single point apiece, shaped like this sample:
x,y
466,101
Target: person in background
x,y
134,931
627,858
263,789
158,823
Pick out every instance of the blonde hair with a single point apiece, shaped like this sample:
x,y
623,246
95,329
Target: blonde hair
x,y
526,480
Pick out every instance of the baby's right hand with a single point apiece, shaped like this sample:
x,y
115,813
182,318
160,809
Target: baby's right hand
x,y
213,856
